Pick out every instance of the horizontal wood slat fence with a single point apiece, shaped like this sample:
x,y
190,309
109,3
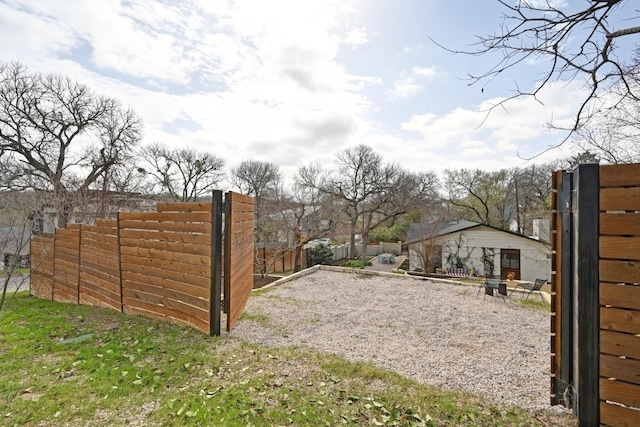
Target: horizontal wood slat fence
x,y
165,264
239,247
595,328
279,260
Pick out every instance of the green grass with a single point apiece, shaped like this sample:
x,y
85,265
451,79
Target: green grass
x,y
158,374
17,271
357,263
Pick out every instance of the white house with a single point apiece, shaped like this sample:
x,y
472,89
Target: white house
x,y
478,248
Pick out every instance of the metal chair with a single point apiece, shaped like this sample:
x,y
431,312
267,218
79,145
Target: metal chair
x,y
531,287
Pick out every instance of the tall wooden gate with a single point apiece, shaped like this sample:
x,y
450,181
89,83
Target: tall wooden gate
x,y
595,322
166,264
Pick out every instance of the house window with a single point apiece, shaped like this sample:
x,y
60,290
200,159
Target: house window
x,y
510,259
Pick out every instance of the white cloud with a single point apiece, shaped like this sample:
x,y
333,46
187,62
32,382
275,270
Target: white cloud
x,y
495,139
424,71
263,79
405,88
412,82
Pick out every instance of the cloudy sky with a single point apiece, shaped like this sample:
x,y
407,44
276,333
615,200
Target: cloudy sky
x,y
295,81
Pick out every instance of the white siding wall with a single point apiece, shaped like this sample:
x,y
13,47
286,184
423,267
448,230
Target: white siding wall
x,y
535,257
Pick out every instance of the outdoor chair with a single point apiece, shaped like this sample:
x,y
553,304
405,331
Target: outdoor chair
x,y
491,284
532,287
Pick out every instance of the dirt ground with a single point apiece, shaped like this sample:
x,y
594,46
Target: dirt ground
x,y
259,281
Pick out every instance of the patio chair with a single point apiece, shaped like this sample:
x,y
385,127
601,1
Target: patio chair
x,y
531,287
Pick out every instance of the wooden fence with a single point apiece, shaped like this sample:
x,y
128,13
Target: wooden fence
x,y
595,328
165,264
279,260
239,247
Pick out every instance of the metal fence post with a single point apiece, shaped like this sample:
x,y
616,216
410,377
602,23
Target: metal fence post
x,y
586,298
565,378
216,263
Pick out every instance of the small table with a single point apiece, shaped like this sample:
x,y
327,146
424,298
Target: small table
x,y
492,284
386,258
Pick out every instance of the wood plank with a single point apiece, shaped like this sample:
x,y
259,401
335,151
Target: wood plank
x,y
66,262
240,270
243,216
620,296
620,344
185,227
99,247
618,416
99,301
627,370
166,305
619,271
181,217
108,286
98,238
184,237
620,199
242,235
155,312
163,264
101,222
105,263
180,247
620,392
620,320
239,199
184,207
109,299
109,275
42,289
195,260
64,233
620,175
67,244
622,248
63,294
105,231
177,276
188,293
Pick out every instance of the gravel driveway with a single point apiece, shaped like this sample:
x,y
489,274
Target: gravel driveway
x,y
436,333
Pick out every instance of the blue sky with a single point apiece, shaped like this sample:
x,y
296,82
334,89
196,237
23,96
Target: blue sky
x,y
294,81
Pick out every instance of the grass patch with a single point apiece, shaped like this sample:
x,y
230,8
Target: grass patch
x,y
357,263
535,303
131,370
17,271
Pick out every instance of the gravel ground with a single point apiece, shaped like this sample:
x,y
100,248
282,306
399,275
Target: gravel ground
x,y
436,333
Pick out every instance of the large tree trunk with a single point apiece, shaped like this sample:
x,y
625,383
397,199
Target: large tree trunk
x,y
63,204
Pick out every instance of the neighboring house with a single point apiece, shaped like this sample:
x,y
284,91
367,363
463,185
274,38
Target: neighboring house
x,y
478,248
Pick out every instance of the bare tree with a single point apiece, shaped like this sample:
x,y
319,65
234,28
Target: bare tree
x,y
184,173
613,138
259,179
41,116
426,245
305,216
481,196
371,192
578,42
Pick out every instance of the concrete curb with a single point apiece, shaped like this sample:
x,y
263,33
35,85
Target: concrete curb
x,y
365,272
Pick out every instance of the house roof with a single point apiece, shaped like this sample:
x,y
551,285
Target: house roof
x,y
418,232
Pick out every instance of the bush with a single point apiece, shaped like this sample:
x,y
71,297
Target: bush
x,y
321,254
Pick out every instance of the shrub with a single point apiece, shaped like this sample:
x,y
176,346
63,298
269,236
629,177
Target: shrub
x,y
321,254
